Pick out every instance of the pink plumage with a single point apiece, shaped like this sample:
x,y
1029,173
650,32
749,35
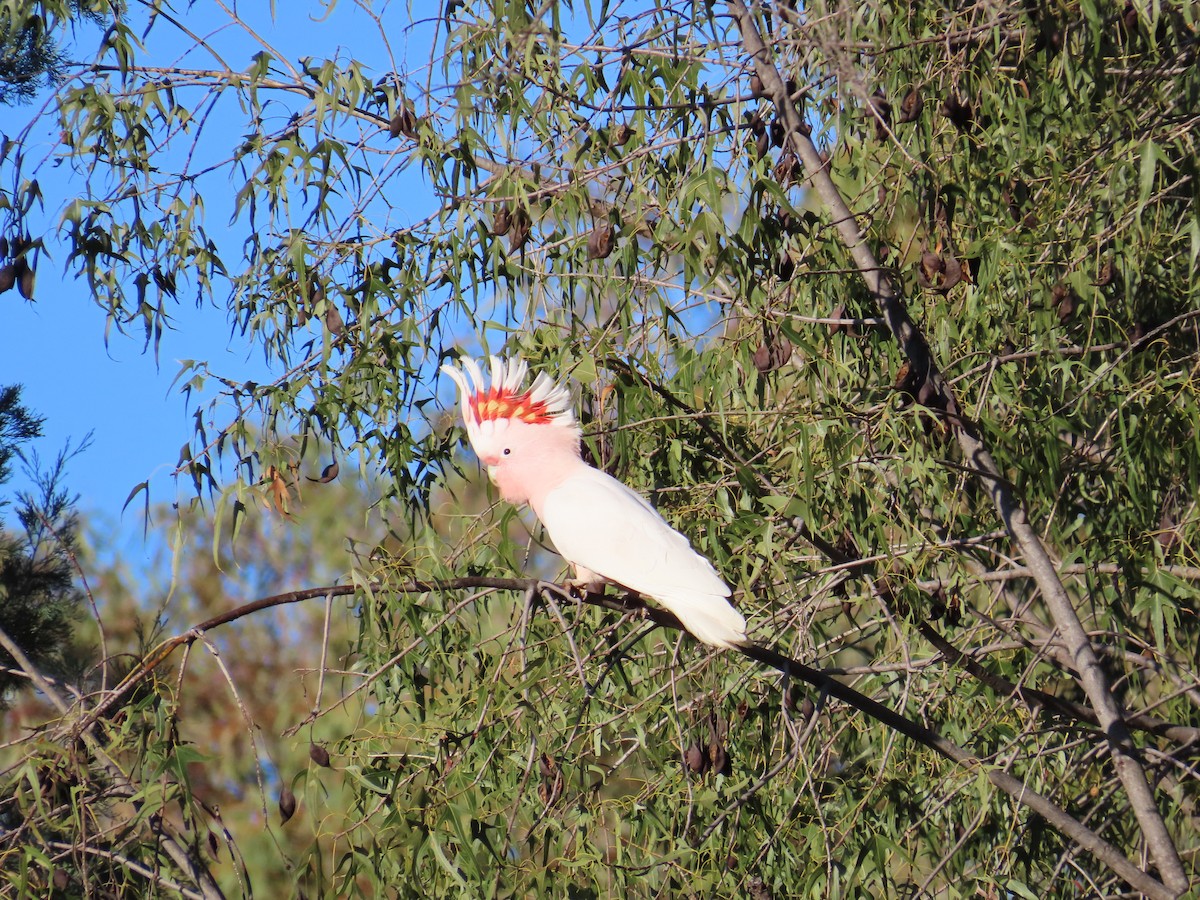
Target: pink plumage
x,y
529,440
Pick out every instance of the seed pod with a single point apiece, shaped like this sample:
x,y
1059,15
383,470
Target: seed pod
x,y
1108,273
333,319
8,277
25,277
958,111
620,135
772,355
287,804
502,220
881,114
778,133
404,122
319,755
695,759
756,86
3,246
601,240
911,106
518,233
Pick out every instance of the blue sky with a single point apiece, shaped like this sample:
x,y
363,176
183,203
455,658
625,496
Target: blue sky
x,y
56,348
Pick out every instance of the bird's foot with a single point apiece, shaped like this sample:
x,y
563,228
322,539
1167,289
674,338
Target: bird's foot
x,y
584,586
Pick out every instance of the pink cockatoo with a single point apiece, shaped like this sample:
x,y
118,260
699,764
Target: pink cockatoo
x,y
530,442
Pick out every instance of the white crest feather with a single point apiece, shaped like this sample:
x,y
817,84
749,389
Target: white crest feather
x,y
489,405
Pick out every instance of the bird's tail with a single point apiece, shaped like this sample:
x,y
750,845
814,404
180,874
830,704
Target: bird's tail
x,y
710,618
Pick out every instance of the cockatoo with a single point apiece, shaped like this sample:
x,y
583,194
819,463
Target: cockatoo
x,y
530,442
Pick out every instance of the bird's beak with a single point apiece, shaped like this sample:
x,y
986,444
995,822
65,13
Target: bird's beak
x,y
491,470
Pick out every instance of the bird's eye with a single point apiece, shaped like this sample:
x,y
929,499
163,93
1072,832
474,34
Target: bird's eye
x,y
507,451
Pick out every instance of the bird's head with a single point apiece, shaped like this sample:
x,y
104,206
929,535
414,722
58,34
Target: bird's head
x,y
515,430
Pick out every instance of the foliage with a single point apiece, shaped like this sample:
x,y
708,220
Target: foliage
x,y
29,53
38,597
208,729
619,199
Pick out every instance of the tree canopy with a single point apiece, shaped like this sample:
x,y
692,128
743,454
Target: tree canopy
x,y
891,308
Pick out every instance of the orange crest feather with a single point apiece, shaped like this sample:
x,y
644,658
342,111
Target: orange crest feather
x,y
499,403
489,408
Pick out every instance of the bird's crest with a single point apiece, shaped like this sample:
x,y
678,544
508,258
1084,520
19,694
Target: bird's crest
x,y
507,399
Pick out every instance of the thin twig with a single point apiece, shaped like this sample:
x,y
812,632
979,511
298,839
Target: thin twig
x,y
132,865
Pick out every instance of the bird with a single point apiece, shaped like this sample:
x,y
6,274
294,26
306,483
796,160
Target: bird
x,y
529,441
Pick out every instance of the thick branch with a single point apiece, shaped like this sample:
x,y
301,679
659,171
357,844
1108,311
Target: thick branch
x,y
916,349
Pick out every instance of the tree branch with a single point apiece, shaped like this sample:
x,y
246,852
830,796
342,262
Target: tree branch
x,y
1092,676
1182,734
1009,784
1014,787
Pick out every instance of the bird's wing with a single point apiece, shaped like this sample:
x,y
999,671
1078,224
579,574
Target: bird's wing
x,y
600,524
